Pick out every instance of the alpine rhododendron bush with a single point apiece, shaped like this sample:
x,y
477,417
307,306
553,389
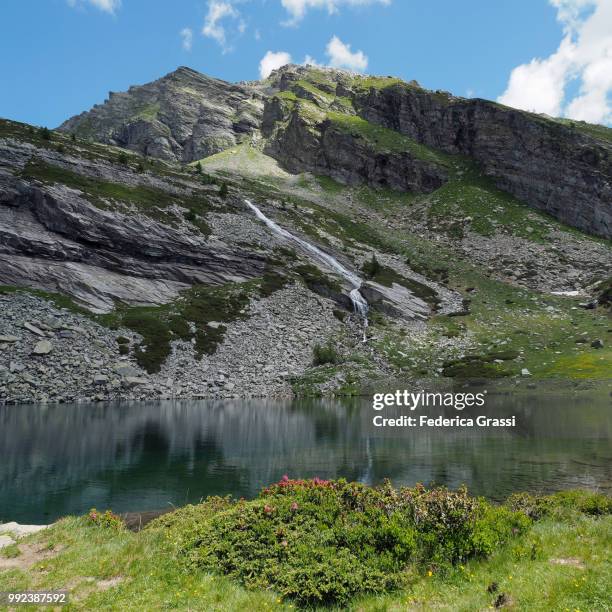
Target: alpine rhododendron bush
x,y
323,542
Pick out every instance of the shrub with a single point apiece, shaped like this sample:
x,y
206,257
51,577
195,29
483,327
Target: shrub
x,y
371,268
561,503
325,354
190,216
45,133
605,293
223,191
321,542
207,179
106,519
123,158
198,167
340,314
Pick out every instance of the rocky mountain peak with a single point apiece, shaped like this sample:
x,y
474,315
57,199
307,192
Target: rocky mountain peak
x,y
356,128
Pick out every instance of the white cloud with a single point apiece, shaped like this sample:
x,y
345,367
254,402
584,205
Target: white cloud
x,y
108,6
311,61
341,56
584,54
271,61
187,38
213,26
298,8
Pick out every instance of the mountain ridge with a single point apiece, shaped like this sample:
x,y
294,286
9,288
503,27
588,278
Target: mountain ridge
x,y
127,274
563,169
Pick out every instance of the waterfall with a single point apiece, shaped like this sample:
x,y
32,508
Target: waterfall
x,y
360,305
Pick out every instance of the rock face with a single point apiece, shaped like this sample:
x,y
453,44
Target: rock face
x,y
183,116
350,127
551,166
307,141
52,237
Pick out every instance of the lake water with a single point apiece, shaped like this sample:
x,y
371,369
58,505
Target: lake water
x,y
64,459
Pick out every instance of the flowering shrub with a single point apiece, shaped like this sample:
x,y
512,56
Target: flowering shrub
x,y
322,542
105,519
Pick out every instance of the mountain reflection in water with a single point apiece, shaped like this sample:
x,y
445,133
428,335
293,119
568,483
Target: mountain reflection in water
x,y
65,459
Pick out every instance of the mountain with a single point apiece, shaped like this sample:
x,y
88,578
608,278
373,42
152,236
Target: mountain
x,y
196,238
181,117
373,130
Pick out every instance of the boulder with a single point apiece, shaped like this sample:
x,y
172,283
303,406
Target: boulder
x,y
44,347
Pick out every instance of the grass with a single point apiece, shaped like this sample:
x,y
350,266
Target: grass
x,y
471,194
197,315
101,193
60,300
561,563
384,139
601,132
387,276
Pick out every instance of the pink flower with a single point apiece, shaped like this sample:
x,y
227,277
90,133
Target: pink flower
x,y
268,509
294,506
285,478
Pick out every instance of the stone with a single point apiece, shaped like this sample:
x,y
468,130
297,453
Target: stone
x,y
133,381
9,339
34,329
18,531
44,347
100,379
525,372
124,369
598,343
5,540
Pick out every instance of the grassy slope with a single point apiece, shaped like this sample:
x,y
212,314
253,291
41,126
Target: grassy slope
x,y
148,576
542,328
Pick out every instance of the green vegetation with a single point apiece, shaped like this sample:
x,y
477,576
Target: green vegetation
x,y
316,281
470,194
384,139
60,300
315,543
376,82
149,200
386,276
198,314
601,132
323,542
326,354
147,112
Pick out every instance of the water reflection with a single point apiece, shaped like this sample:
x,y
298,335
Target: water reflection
x,y
65,459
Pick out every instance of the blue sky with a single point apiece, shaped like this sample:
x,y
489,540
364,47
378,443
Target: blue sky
x,y
59,57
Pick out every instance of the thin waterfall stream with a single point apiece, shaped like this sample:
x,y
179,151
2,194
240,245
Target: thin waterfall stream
x,y
360,305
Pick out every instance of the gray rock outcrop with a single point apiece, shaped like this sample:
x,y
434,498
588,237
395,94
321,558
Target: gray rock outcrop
x,y
183,116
